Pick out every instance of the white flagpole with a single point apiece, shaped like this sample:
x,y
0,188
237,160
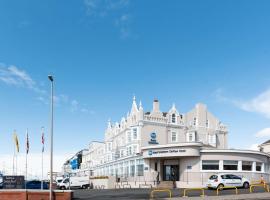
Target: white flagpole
x,y
16,163
26,158
14,156
42,135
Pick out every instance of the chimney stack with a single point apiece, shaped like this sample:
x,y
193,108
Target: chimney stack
x,y
156,106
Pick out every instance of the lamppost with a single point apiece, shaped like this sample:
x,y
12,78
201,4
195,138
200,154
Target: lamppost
x,y
51,139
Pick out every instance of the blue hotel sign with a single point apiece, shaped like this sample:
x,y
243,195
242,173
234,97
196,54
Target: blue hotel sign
x,y
153,138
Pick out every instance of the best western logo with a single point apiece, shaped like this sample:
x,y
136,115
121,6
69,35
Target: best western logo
x,y
153,139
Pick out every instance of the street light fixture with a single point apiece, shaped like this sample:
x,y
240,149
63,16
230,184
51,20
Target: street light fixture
x,y
50,77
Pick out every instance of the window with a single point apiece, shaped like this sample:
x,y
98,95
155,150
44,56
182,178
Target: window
x,y
210,165
230,165
140,167
207,123
174,137
134,133
173,118
155,166
129,150
134,150
213,177
234,176
246,166
258,167
225,176
212,139
190,136
122,153
110,146
132,168
194,121
128,137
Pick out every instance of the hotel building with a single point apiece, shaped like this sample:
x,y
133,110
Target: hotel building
x,y
185,147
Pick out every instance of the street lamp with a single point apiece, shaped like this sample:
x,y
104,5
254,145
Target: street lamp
x,y
50,77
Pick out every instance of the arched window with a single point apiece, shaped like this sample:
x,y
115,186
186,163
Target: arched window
x,y
173,118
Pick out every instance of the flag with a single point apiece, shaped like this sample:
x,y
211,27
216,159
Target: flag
x,y
42,140
27,142
16,140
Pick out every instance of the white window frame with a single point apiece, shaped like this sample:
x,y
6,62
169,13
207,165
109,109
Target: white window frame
x,y
176,136
207,123
135,130
173,121
212,139
191,135
194,121
128,136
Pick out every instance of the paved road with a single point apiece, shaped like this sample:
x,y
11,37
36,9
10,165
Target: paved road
x,y
135,194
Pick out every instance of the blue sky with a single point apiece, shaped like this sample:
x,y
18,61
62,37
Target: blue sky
x,y
101,52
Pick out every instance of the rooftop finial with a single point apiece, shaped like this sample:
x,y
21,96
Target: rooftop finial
x,y
140,107
134,108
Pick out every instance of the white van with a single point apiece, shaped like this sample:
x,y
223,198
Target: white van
x,y
59,180
74,182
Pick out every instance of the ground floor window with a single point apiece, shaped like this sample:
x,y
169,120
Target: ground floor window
x,y
132,168
140,167
140,170
230,165
258,167
210,165
246,166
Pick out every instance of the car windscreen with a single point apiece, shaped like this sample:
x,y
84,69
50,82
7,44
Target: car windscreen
x,y
213,177
66,180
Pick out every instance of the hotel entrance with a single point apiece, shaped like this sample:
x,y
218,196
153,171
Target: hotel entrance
x,y
171,172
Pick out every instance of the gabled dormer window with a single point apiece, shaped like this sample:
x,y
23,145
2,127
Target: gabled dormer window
x,y
173,118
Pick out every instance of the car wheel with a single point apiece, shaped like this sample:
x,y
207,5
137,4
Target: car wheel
x,y
62,188
220,187
84,187
246,185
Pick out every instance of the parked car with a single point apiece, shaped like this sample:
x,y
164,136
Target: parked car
x,y
36,184
1,181
223,180
74,182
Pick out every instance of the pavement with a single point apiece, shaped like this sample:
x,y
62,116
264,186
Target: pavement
x,y
139,194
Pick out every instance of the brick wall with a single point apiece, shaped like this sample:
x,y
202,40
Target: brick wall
x,y
34,195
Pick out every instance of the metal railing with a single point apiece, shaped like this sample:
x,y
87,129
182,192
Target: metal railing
x,y
160,190
227,187
190,189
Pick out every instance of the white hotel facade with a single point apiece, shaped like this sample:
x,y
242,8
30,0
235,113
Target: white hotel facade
x,y
186,147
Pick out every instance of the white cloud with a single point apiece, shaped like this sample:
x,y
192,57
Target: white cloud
x,y
101,8
259,104
34,169
116,9
74,105
12,75
263,133
254,147
123,23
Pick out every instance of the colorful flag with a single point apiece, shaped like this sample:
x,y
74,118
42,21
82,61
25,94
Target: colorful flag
x,y
16,140
27,142
42,140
